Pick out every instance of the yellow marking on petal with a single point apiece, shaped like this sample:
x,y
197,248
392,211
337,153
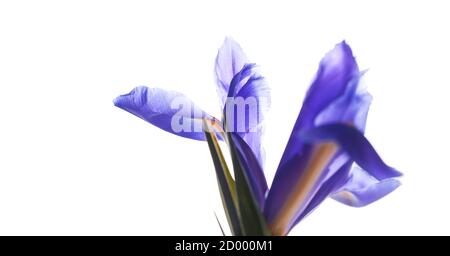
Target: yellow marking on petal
x,y
321,156
347,196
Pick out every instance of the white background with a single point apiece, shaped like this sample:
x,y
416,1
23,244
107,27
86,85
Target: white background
x,y
73,164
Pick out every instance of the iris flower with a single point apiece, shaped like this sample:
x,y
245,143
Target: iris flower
x,y
327,154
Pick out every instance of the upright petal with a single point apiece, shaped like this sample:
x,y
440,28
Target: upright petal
x,y
352,107
168,110
338,73
362,189
245,108
229,61
253,140
247,102
257,88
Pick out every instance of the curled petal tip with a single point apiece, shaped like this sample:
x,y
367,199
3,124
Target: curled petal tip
x,y
117,101
362,189
137,96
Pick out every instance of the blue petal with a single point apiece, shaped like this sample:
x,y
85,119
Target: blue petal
x,y
352,107
253,140
229,61
350,186
257,88
168,110
338,73
353,142
252,169
362,189
246,106
325,190
359,189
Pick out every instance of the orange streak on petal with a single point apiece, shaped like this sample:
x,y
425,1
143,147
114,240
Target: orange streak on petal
x,y
321,156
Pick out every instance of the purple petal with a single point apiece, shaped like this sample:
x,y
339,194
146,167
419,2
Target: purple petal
x,y
168,110
362,189
337,74
246,106
245,109
352,107
353,142
252,169
253,140
325,190
240,79
336,70
257,88
229,61
350,186
236,77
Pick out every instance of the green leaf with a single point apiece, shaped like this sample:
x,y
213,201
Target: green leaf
x,y
252,220
220,225
224,180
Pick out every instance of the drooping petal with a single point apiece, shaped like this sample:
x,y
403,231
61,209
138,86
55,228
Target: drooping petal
x,y
362,189
338,73
229,61
253,170
168,110
350,186
353,142
348,139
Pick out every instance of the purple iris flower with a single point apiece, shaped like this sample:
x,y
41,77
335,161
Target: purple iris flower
x,y
326,141
236,79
